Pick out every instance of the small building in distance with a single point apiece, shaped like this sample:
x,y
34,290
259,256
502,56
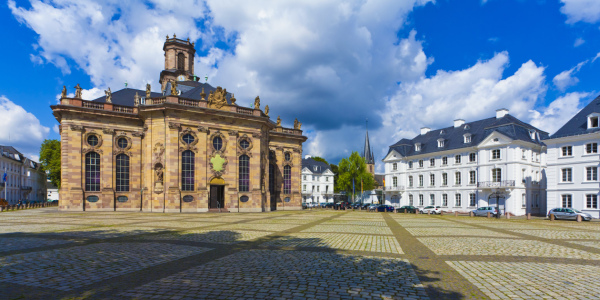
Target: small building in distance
x,y
25,179
573,160
317,181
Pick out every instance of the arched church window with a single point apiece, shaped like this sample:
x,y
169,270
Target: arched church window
x,y
217,143
181,61
187,170
287,180
244,173
92,172
122,173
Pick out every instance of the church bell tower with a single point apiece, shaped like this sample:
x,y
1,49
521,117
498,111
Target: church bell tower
x,y
368,155
179,61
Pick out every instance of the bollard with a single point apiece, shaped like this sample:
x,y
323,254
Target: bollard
x,y
489,214
456,214
470,214
405,210
441,213
551,217
508,216
428,212
528,216
1,208
395,210
578,218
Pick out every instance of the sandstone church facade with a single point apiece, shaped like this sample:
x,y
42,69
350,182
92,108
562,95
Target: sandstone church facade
x,y
190,148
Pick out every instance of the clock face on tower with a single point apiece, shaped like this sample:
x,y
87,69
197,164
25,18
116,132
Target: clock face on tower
x,y
181,78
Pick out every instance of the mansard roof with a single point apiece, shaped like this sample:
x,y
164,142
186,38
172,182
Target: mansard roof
x,y
310,164
578,124
189,90
478,130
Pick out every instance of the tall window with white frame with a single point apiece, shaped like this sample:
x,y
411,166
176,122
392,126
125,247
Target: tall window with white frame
x,y
410,200
567,200
567,175
421,180
495,154
444,179
457,179
457,200
420,199
244,174
472,200
496,175
431,199
472,157
122,173
472,177
445,200
591,201
566,151
187,170
410,164
591,148
420,163
432,162
591,173
92,172
410,181
395,166
457,159
444,161
524,200
395,181
431,179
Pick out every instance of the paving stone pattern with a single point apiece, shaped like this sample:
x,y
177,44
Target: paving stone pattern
x,y
311,254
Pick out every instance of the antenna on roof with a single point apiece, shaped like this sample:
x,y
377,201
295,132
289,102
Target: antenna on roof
x,y
206,78
125,83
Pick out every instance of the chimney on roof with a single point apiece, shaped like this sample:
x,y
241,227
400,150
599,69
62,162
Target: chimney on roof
x,y
425,130
501,113
307,156
458,122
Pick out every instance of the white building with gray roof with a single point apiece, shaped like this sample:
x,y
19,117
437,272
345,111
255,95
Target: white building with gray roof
x,y
25,179
469,165
317,181
573,162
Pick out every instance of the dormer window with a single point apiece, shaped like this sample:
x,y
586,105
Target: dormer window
x,y
467,138
440,143
593,120
442,132
532,134
467,127
418,147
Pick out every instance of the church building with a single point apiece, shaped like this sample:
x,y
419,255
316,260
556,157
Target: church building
x,y
188,148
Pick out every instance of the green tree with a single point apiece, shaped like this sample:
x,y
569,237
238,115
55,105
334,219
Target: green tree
x,y
355,168
317,158
50,160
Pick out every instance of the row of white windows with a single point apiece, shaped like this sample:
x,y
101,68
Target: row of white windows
x,y
591,201
457,200
591,174
496,177
313,188
495,155
315,178
567,151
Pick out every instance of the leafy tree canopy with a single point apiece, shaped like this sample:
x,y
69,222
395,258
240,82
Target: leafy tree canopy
x,y
317,158
50,160
355,168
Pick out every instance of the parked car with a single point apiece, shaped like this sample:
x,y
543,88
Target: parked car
x,y
366,206
385,208
357,205
567,213
323,204
482,211
372,207
432,210
409,209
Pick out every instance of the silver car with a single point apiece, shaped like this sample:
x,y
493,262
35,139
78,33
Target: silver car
x,y
482,211
567,213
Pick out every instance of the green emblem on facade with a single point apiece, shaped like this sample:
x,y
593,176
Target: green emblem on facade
x,y
217,162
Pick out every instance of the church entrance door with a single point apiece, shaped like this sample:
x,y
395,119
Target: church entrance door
x,y
217,196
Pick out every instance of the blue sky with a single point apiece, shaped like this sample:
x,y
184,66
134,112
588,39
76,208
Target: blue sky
x,y
331,64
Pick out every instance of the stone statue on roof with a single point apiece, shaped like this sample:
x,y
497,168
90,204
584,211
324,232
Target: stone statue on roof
x,y
296,123
78,91
256,103
136,99
63,94
278,121
174,88
267,110
148,91
108,95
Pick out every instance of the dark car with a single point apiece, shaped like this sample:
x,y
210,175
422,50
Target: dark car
x,y
365,206
329,205
356,205
409,209
385,208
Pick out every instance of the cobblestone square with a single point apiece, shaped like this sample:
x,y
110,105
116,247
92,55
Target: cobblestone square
x,y
318,254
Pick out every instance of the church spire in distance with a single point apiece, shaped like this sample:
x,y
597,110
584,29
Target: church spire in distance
x,y
367,152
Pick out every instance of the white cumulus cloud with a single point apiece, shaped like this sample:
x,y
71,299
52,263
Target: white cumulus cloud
x,y
559,112
567,78
581,10
20,128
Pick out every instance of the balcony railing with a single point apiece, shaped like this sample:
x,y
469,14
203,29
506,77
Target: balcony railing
x,y
394,188
496,184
